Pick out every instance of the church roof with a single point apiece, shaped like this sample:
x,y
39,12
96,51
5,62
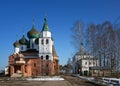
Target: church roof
x,y
82,51
33,33
54,52
45,26
23,41
16,44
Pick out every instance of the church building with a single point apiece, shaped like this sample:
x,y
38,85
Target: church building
x,y
35,56
83,61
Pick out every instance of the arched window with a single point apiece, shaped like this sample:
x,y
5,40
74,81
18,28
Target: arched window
x,y
89,63
42,41
93,63
34,64
41,57
47,57
22,48
47,41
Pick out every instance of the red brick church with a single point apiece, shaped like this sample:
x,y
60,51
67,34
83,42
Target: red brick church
x,y
35,56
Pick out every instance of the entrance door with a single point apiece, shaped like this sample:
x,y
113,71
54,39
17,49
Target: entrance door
x,y
85,72
17,69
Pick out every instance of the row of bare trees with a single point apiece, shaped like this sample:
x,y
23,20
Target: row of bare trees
x,y
101,40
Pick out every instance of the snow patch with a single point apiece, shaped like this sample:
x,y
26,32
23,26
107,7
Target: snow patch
x,y
54,78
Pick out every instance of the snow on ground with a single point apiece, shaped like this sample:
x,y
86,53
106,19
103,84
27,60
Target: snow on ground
x,y
53,78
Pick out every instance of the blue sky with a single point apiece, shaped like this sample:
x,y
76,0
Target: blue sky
x,y
16,17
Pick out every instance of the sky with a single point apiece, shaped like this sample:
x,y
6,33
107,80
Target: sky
x,y
16,18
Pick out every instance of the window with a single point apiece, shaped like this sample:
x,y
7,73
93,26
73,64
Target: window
x,y
47,57
47,41
93,63
95,71
85,63
41,57
21,48
34,64
42,41
89,63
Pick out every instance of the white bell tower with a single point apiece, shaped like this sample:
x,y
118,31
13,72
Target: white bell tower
x,y
45,43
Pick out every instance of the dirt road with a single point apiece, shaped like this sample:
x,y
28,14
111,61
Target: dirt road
x,y
69,81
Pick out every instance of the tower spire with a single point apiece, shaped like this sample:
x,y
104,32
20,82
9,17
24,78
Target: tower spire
x,y
45,18
16,37
33,21
23,31
81,47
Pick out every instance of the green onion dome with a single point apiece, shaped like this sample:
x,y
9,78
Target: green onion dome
x,y
23,41
33,33
16,44
37,41
45,26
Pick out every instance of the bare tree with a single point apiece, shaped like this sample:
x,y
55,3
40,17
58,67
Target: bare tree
x,y
90,38
101,40
77,34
